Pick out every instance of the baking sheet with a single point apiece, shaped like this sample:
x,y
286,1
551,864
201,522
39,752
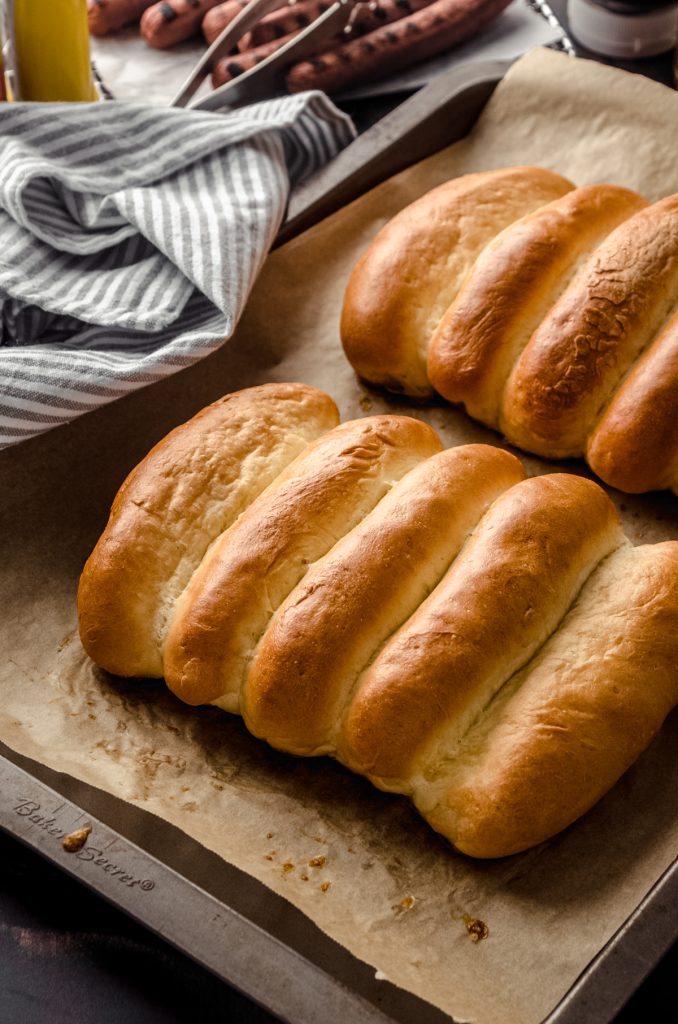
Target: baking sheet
x,y
396,896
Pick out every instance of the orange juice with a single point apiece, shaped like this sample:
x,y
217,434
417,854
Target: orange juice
x,y
50,48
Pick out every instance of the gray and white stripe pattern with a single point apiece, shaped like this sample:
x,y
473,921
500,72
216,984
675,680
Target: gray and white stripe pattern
x,y
131,237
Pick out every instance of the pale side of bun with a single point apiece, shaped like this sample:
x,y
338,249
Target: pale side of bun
x,y
575,719
415,266
252,567
501,599
368,584
513,285
635,445
187,490
580,352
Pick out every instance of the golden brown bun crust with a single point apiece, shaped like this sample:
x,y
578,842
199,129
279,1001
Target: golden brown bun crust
x,y
375,603
577,717
531,318
513,285
635,445
580,352
253,566
188,489
415,266
501,599
351,600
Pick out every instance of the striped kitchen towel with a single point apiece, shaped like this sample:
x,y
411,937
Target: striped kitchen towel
x,y
130,238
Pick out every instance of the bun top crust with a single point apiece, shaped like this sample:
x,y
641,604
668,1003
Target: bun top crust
x,y
635,444
190,487
252,567
512,287
365,587
573,721
531,319
415,266
501,598
606,318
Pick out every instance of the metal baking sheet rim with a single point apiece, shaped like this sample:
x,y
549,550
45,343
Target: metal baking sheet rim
x,y
297,989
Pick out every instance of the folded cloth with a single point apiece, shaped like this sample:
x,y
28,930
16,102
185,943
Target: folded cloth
x,y
131,237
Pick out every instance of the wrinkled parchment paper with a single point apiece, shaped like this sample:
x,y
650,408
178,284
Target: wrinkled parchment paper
x,y
359,863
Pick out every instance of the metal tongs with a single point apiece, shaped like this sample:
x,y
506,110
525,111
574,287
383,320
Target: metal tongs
x,y
267,78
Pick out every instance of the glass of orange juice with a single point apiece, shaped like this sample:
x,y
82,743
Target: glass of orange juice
x,y
46,50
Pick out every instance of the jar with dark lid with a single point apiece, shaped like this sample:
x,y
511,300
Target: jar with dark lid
x,y
622,28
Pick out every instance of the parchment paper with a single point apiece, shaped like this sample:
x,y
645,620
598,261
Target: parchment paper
x,y
384,885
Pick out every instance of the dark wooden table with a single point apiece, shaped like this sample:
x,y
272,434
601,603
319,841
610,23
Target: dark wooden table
x,y
67,957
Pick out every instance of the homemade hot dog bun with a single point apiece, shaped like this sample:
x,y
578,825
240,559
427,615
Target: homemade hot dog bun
x,y
187,490
569,724
580,352
513,285
416,265
500,600
546,320
304,668
253,566
635,445
488,645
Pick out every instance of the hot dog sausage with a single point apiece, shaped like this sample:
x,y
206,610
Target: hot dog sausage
x,y
368,17
230,67
291,18
216,20
109,15
172,21
423,34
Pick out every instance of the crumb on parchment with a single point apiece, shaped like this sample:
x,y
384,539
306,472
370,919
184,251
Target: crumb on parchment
x,y
75,841
476,929
406,903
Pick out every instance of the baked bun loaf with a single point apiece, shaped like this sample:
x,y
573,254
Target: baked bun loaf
x,y
184,494
252,567
416,265
489,645
635,444
556,330
565,728
367,585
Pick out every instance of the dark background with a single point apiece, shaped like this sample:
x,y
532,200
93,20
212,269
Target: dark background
x,y
67,957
